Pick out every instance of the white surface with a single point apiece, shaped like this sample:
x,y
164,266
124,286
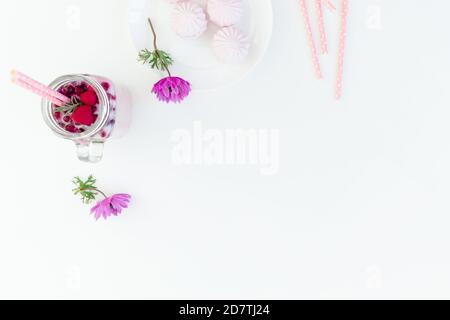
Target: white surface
x,y
195,59
358,209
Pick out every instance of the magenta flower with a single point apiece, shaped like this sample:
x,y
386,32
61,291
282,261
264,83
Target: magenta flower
x,y
111,206
171,89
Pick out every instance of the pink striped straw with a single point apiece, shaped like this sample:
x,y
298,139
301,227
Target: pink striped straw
x,y
341,48
310,39
38,88
321,23
329,5
40,93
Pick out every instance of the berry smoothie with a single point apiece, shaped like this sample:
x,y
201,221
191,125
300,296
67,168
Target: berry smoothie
x,y
83,111
90,116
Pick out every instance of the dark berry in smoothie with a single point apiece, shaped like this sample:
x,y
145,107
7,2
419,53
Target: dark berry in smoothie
x,y
82,112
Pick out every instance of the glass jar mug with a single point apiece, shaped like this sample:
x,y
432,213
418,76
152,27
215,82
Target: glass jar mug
x,y
90,118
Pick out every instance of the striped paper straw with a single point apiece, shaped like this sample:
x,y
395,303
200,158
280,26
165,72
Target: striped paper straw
x,y
321,23
329,5
341,48
28,85
40,93
310,39
48,92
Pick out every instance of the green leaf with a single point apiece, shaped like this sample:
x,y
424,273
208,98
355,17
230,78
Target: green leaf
x,y
157,59
69,107
85,188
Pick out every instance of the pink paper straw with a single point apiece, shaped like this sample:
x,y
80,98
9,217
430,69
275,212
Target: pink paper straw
x,y
49,92
321,23
40,93
330,5
341,48
309,36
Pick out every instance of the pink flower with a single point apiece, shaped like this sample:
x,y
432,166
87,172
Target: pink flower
x,y
171,89
111,206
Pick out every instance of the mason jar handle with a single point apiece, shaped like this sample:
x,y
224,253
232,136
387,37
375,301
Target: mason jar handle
x,y
90,151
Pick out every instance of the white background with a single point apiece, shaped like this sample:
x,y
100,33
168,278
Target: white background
x,y
359,208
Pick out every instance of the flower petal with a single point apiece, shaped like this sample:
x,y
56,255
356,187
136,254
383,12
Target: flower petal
x,y
171,89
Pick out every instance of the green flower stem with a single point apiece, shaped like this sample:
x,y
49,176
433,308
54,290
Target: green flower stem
x,y
86,189
155,45
96,190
